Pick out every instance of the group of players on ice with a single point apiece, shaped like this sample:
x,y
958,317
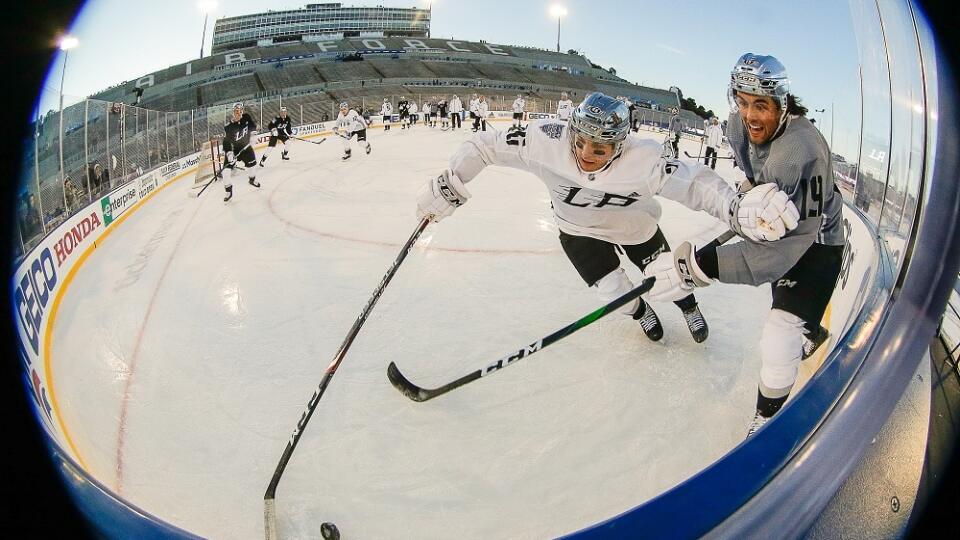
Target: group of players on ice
x,y
602,179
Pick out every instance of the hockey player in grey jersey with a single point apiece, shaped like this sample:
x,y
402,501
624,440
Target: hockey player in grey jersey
x,y
601,180
775,145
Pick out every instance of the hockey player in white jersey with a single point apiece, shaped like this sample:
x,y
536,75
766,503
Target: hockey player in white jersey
x,y
427,111
564,107
456,109
386,110
414,115
480,121
779,150
601,180
517,108
350,123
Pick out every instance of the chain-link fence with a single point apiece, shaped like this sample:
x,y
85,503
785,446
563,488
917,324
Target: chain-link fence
x,y
106,144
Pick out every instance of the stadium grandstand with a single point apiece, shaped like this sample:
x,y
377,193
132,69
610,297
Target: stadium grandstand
x,y
318,21
137,126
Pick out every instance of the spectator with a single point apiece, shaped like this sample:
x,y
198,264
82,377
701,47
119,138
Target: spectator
x,y
99,178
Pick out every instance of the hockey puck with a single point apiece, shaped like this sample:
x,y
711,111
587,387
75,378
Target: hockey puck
x,y
329,531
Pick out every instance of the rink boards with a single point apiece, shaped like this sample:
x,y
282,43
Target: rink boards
x,y
45,273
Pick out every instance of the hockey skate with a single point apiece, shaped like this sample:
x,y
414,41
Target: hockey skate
x,y
369,148
254,183
263,159
229,194
813,340
696,324
649,321
346,155
284,156
758,422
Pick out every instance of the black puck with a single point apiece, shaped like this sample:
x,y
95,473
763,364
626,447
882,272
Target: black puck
x,y
329,531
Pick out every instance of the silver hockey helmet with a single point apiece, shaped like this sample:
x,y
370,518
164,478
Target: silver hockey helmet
x,y
238,106
600,119
386,100
563,95
762,76
344,105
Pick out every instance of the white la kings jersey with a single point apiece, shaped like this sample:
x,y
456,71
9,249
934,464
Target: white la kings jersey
x,y
615,204
564,108
386,109
350,122
518,105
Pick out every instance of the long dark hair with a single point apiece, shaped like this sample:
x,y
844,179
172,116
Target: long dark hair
x,y
794,106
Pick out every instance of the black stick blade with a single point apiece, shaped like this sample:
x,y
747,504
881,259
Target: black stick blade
x,y
404,385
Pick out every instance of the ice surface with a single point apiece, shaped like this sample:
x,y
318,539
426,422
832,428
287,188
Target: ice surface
x,y
190,341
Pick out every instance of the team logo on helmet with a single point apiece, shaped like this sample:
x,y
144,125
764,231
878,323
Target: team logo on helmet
x,y
594,109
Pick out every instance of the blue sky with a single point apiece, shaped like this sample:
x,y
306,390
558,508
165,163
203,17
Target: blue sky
x,y
691,44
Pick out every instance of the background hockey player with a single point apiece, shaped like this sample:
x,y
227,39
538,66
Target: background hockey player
x,y
564,107
517,107
714,138
771,137
456,112
387,111
281,128
237,147
675,129
443,108
348,124
474,103
414,114
481,114
601,180
403,106
427,111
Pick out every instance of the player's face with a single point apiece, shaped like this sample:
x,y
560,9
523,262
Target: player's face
x,y
283,114
761,116
592,156
237,114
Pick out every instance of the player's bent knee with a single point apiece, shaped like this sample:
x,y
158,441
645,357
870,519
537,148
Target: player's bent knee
x,y
781,346
613,286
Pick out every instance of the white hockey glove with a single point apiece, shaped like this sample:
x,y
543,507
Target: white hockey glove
x,y
231,159
763,214
677,274
441,196
274,132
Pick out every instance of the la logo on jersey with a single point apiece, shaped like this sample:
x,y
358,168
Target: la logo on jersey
x,y
786,283
578,196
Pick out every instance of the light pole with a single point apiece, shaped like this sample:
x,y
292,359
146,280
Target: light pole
x,y
558,11
66,43
430,12
831,122
206,7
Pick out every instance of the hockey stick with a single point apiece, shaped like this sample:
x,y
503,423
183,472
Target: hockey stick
x,y
269,504
309,141
419,394
701,157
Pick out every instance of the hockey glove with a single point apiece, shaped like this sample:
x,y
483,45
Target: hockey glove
x,y
274,133
763,214
441,196
231,160
677,274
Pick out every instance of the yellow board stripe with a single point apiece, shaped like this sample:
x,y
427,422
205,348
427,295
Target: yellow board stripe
x,y
48,338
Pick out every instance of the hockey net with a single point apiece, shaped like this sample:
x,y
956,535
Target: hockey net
x,y
209,166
